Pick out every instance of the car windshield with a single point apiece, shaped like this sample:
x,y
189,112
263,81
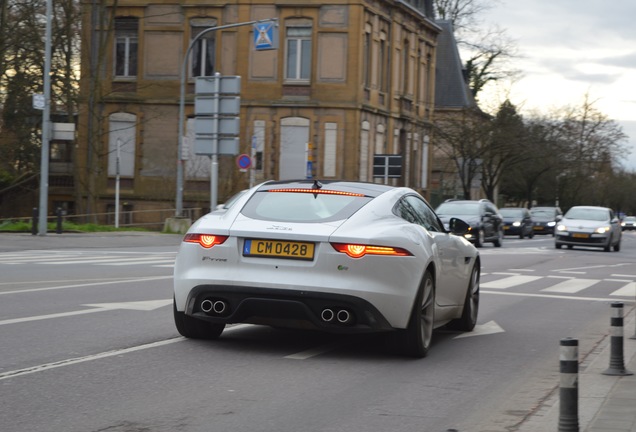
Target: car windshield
x,y
543,213
457,208
302,206
630,219
510,212
587,214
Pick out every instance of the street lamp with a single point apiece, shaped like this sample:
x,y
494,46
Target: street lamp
x,y
46,124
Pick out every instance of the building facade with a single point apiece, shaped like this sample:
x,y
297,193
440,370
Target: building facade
x,y
349,81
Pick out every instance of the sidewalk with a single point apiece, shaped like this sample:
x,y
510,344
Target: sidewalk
x,y
606,403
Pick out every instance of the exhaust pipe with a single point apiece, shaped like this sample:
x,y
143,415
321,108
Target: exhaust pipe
x,y
207,305
219,306
343,316
327,315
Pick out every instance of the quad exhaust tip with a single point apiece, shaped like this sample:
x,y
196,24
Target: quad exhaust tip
x,y
341,316
213,306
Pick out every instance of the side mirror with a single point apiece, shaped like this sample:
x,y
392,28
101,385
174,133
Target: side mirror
x,y
458,226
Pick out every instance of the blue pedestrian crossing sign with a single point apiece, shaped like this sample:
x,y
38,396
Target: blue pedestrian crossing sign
x,y
265,36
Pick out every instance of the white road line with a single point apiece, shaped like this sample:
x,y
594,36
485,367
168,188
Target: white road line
x,y
72,361
509,281
552,296
146,261
571,286
141,279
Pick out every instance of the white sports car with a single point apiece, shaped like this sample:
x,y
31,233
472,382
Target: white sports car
x,y
335,256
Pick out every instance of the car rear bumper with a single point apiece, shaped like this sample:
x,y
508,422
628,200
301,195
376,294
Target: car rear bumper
x,y
331,312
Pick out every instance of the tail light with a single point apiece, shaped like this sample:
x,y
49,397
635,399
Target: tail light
x,y
205,240
359,250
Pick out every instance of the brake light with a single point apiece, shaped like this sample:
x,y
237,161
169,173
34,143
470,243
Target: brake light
x,y
205,240
317,192
358,250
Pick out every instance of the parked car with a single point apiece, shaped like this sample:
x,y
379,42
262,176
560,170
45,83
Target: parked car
x,y
628,223
486,224
589,226
545,219
517,221
341,257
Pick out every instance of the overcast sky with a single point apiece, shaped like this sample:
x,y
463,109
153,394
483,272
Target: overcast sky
x,y
568,48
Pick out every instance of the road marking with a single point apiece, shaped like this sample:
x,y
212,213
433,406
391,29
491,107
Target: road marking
x,y
76,360
552,296
509,281
142,279
571,286
100,307
490,327
628,290
72,361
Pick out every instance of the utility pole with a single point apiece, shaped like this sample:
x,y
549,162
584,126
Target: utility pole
x,y
46,124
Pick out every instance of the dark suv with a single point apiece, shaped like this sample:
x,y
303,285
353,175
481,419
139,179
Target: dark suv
x,y
486,224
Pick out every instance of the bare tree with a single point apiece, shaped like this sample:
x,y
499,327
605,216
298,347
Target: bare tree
x,y
489,49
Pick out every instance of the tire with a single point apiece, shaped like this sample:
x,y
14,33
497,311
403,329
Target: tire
x,y
558,245
193,328
521,234
468,319
479,240
608,247
417,337
499,241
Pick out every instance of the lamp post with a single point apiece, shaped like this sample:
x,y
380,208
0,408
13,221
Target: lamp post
x,y
179,198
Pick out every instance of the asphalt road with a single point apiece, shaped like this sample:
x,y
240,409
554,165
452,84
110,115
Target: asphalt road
x,y
88,344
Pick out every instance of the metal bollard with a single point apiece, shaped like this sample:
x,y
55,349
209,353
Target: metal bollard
x,y
617,364
569,388
34,223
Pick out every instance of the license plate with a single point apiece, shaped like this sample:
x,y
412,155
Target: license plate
x,y
506,227
538,228
278,248
580,235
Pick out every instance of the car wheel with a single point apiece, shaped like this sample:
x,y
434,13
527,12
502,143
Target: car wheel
x,y
468,319
521,234
194,328
558,245
499,240
417,337
480,239
570,246
608,247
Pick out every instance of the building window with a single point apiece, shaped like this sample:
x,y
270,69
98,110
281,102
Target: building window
x,y
204,49
366,61
126,47
298,56
382,63
405,67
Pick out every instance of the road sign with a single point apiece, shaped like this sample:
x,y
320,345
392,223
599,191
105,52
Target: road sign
x,y
228,105
209,145
244,161
265,36
213,125
39,102
228,85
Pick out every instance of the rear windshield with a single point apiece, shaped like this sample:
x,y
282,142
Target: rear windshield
x,y
511,212
302,207
587,214
455,209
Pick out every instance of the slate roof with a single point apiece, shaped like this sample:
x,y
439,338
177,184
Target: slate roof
x,y
451,89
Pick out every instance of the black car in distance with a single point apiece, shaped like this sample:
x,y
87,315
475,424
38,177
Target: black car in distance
x,y
545,219
517,221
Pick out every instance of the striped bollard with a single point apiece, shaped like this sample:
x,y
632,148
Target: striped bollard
x,y
569,388
616,365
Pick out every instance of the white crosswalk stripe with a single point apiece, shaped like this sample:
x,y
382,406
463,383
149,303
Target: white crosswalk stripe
x,y
57,258
557,284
